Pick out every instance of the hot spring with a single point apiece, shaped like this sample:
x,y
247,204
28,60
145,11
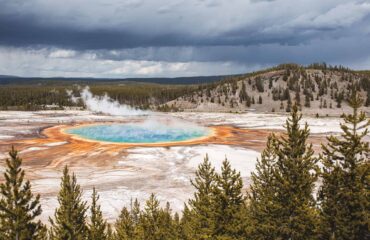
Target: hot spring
x,y
139,133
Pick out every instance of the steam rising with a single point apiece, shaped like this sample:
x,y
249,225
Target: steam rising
x,y
105,104
157,124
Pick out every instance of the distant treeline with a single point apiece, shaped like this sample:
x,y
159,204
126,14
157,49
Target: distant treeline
x,y
38,97
281,203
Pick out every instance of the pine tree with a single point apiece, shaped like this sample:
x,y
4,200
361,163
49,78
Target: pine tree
x,y
110,234
136,218
125,226
177,226
345,190
168,226
153,224
262,211
18,206
229,204
298,97
97,226
296,175
70,216
202,205
187,232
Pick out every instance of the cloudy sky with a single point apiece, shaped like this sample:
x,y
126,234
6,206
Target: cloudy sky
x,y
146,38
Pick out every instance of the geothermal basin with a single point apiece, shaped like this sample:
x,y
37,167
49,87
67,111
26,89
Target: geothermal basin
x,y
127,158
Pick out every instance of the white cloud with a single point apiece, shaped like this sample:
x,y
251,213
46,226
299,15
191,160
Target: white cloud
x,y
60,53
43,63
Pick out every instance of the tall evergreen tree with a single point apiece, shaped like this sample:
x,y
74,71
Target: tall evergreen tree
x,y
153,224
187,231
262,210
295,176
229,204
202,205
97,226
137,219
344,194
281,198
18,206
168,225
70,216
125,226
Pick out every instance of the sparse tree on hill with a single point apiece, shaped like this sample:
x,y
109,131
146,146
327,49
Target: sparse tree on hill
x,y
259,84
298,97
307,102
367,103
19,208
281,105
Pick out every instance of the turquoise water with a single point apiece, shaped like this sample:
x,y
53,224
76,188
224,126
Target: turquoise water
x,y
137,133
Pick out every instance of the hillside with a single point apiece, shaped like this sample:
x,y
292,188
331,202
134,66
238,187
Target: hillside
x,y
316,88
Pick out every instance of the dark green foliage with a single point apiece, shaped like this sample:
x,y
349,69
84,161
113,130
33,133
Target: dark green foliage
x,y
186,229
70,217
97,226
157,222
295,175
153,222
229,205
261,209
281,198
125,226
218,210
344,194
201,217
18,207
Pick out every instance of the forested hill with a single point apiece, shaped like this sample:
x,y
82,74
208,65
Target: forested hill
x,y
317,88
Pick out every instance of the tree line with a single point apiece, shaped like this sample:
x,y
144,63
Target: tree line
x,y
294,194
46,96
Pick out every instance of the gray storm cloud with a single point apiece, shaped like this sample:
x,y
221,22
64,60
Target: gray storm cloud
x,y
201,34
